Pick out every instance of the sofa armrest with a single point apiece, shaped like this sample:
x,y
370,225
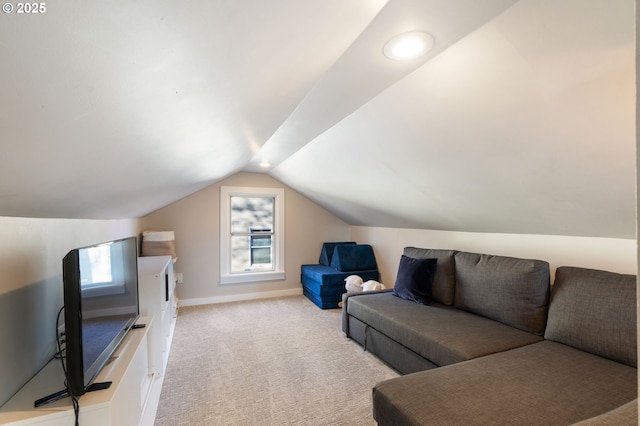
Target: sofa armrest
x,y
345,304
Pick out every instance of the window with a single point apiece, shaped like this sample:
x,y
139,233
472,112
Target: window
x,y
251,234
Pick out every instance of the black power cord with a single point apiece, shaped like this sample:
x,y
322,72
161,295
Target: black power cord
x,y
60,354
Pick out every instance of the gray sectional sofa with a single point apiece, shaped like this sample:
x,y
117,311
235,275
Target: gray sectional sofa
x,y
498,345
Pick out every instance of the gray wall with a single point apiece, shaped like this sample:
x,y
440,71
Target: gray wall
x,y
196,222
31,252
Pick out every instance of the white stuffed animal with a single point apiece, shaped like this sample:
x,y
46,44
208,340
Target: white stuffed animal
x,y
372,285
353,284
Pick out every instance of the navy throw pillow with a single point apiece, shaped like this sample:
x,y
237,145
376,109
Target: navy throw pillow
x,y
415,279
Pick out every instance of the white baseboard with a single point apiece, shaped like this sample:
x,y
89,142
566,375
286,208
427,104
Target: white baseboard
x,y
240,297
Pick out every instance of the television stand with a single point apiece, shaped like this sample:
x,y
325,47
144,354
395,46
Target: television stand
x,y
65,393
132,399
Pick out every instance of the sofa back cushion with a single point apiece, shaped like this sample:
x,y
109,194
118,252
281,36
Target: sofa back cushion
x,y
506,289
327,251
444,282
594,311
353,257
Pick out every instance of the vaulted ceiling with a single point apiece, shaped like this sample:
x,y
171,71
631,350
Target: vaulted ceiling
x,y
520,120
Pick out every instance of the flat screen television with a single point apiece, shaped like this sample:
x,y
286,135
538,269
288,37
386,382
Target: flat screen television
x,y
100,306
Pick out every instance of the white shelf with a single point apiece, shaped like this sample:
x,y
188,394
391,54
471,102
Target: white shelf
x,y
121,404
156,287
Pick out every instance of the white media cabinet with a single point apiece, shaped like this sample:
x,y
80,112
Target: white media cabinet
x,y
136,369
156,290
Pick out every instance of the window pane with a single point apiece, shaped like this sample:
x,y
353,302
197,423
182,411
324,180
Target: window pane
x,y
249,253
261,256
251,214
261,241
240,254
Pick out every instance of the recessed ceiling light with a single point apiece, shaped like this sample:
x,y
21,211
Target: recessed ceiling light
x,y
409,45
265,164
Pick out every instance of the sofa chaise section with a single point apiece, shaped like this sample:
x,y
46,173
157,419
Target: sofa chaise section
x,y
584,370
546,383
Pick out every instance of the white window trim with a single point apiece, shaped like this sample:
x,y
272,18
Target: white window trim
x,y
226,276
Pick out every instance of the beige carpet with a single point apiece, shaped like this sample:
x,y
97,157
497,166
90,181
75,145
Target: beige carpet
x,y
266,362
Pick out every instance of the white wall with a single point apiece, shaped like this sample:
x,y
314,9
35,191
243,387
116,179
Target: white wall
x,y
610,254
31,252
32,249
195,220
196,223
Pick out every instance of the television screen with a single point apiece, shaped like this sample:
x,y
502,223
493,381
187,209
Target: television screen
x,y
101,305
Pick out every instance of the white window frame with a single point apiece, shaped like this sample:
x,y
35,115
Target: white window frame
x,y
226,275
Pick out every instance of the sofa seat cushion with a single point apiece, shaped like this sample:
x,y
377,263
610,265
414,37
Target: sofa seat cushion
x,y
546,383
442,334
324,285
326,275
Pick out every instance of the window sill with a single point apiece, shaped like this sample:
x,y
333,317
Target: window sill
x,y
252,277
